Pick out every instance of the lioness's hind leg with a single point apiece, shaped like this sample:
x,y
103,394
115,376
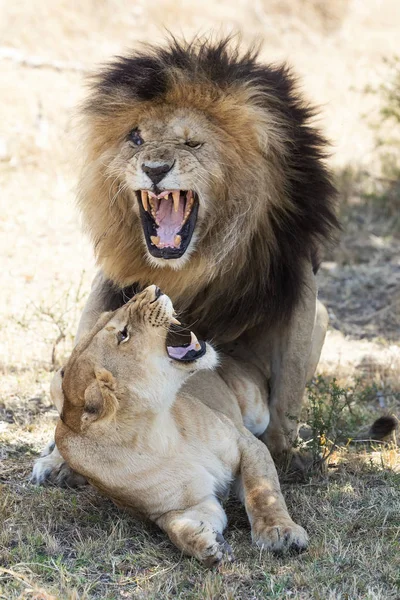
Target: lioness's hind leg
x,y
272,527
197,531
52,468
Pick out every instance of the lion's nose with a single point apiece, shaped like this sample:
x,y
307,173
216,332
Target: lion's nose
x,y
156,170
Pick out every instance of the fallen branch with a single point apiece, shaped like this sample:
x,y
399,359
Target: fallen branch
x,y
35,62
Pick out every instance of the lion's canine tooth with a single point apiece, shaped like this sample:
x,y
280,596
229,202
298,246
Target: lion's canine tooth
x,y
175,196
177,241
145,201
153,208
175,321
155,240
154,202
195,341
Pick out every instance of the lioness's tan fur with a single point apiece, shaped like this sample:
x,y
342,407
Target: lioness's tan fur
x,y
166,454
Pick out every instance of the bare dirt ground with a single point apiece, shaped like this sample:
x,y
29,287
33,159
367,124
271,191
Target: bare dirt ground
x,y
74,544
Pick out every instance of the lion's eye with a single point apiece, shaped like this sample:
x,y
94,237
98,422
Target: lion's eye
x,y
193,144
123,335
135,137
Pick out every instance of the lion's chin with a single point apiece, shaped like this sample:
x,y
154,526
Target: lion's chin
x,y
168,220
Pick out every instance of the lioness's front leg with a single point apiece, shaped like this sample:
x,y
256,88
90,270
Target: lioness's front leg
x,y
271,525
197,531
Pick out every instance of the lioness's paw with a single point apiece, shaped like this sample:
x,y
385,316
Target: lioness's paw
x,y
279,538
207,545
218,550
51,468
45,467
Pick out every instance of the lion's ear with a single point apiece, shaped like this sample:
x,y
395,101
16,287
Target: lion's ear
x,y
100,399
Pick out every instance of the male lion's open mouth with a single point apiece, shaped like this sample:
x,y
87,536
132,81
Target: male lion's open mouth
x,y
168,221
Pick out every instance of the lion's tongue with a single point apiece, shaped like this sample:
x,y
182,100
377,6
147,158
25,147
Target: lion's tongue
x,y
169,222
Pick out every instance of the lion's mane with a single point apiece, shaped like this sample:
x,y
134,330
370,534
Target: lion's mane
x,y
276,202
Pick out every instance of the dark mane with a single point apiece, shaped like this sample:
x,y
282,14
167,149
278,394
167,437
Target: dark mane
x,y
270,286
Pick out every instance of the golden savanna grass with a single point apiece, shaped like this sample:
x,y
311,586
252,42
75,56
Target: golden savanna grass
x,y
69,544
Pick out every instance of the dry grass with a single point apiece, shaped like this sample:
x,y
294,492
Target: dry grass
x,y
74,544
77,545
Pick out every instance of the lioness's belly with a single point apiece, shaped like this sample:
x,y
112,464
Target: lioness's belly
x,y
149,483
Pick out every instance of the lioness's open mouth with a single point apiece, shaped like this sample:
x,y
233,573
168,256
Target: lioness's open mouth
x,y
168,221
185,351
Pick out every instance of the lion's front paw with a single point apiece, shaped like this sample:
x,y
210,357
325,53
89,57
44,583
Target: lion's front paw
x,y
297,465
51,468
279,537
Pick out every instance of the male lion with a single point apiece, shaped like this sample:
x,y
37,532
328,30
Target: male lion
x,y
204,176
165,454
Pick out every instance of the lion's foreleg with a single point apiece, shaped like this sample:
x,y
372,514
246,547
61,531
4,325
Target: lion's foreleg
x,y
318,338
292,353
100,300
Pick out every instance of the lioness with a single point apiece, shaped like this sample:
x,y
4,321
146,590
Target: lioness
x,y
204,176
165,454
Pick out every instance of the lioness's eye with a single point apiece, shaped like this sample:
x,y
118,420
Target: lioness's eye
x,y
135,137
193,144
123,335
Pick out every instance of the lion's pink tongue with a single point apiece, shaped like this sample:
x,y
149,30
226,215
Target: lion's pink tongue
x,y
170,222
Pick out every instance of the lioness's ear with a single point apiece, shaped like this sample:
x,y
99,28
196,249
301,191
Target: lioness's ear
x,y
100,399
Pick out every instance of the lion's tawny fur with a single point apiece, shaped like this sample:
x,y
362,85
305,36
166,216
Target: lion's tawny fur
x,y
266,198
